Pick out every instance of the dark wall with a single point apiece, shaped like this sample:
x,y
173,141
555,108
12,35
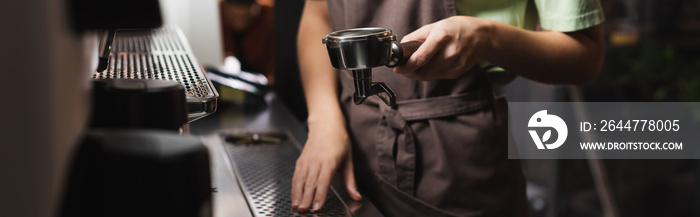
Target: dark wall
x,y
288,81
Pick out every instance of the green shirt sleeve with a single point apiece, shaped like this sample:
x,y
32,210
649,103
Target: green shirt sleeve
x,y
569,15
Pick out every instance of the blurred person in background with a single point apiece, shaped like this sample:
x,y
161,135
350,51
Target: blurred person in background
x,y
247,33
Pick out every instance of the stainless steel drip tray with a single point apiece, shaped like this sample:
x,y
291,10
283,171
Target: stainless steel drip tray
x,y
263,163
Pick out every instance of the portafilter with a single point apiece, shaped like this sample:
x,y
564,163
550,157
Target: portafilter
x,y
361,49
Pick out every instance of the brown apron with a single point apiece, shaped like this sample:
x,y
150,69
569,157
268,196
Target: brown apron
x,y
442,150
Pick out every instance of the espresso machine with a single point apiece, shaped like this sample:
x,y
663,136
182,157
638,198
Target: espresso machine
x,y
53,52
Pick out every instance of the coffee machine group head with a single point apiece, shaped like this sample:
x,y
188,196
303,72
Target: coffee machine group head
x,y
361,49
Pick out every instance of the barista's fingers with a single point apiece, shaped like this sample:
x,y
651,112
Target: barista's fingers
x,y
349,178
446,65
436,39
324,180
298,181
309,188
419,35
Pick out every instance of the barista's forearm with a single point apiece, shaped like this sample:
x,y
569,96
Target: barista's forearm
x,y
317,74
548,56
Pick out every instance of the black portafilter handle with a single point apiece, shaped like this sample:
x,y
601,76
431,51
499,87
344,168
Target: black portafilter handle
x,y
401,52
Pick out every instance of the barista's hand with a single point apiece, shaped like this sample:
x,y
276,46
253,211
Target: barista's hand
x,y
450,48
327,150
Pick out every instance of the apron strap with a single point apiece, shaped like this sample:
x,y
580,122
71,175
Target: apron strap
x,y
396,147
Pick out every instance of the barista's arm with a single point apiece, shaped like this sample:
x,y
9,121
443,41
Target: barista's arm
x,y
327,148
317,74
453,45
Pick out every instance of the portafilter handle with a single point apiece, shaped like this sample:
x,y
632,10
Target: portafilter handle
x,y
401,52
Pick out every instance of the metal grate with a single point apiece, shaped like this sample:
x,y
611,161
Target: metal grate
x,y
265,172
160,54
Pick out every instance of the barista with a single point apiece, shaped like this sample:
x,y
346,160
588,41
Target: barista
x,y
442,150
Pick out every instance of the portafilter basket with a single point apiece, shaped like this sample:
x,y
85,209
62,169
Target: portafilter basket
x,y
361,49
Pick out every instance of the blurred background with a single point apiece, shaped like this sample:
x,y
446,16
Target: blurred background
x,y
652,54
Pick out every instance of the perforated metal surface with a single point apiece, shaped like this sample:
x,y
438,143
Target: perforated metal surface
x,y
265,173
160,54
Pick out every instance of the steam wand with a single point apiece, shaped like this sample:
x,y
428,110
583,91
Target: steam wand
x,y
105,48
